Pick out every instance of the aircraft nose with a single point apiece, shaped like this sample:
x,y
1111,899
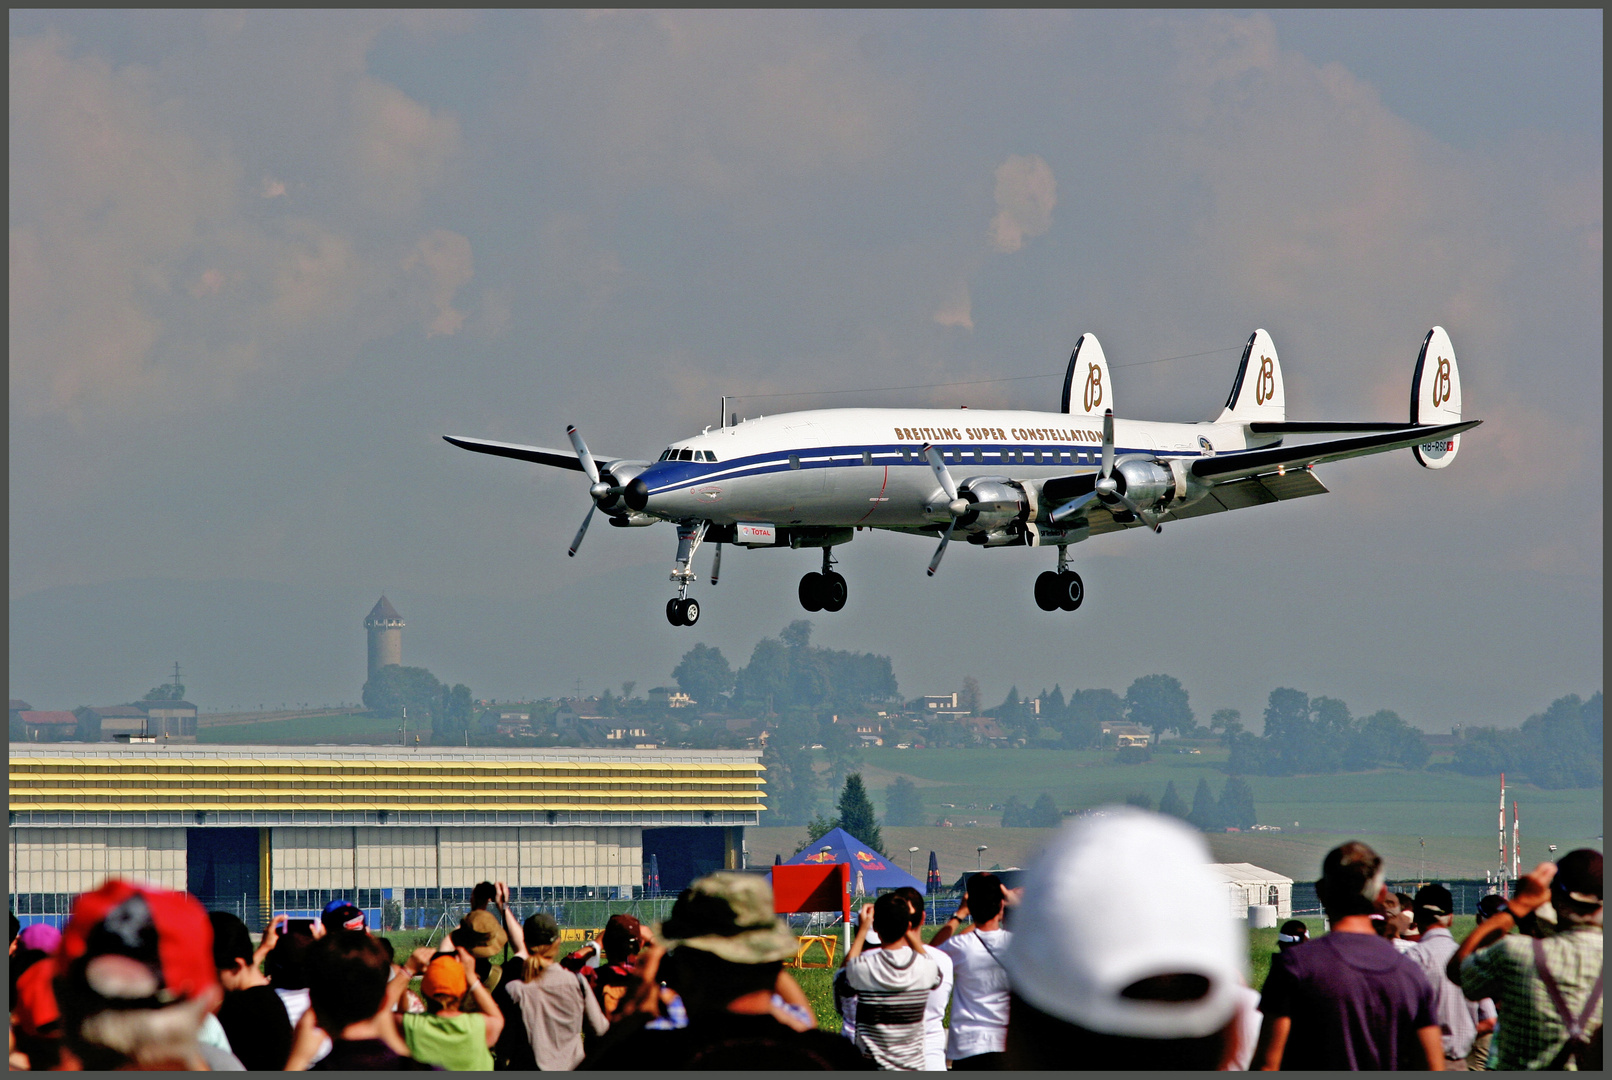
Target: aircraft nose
x,y
636,494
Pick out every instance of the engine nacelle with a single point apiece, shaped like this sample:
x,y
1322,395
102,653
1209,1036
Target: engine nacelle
x,y
1016,537
1147,482
618,474
992,505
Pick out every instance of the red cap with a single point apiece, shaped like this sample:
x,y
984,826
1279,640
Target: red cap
x,y
174,922
35,1006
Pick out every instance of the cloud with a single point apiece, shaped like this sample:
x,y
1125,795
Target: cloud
x,y
444,258
1026,192
720,103
147,272
957,312
401,149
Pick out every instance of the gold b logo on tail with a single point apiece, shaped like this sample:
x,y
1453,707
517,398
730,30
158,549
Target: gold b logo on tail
x,y
1094,387
1265,385
1441,383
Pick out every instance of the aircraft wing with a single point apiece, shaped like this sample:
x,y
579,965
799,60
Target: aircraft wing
x,y
1233,495
1223,467
539,455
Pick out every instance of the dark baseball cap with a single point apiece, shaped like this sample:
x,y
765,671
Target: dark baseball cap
x,y
1578,876
343,915
1434,899
1488,905
539,930
623,935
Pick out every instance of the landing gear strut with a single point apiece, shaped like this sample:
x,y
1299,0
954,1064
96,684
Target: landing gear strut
x,y
683,609
1061,588
824,591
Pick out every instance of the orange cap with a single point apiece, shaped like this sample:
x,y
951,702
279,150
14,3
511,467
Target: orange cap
x,y
445,977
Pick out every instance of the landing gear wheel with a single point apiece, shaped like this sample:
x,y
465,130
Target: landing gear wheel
x,y
691,611
674,611
1071,590
832,591
1047,585
811,591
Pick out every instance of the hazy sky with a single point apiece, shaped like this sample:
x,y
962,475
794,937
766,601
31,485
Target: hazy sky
x,y
261,262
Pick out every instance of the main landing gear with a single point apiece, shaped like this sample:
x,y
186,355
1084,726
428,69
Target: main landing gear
x,y
825,591
1060,589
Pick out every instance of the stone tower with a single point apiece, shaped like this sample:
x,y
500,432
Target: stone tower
x,y
385,628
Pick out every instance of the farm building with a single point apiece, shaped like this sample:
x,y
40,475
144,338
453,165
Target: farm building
x,y
1247,884
255,828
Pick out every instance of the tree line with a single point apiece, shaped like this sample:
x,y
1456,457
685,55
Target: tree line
x,y
787,674
1233,808
446,711
1305,735
1558,748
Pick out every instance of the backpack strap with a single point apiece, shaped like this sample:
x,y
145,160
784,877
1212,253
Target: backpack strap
x,y
1574,1025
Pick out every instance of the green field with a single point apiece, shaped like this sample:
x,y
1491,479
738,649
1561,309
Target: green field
x,y
1388,808
307,731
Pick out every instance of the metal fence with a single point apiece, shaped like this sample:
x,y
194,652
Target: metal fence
x,y
1464,893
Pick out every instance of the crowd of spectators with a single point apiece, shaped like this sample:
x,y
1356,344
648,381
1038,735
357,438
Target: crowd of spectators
x,y
1041,977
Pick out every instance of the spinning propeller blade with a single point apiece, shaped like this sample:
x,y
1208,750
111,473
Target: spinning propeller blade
x,y
934,564
577,542
582,453
955,505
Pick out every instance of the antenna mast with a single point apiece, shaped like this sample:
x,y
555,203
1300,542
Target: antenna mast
x,y
1516,843
1504,886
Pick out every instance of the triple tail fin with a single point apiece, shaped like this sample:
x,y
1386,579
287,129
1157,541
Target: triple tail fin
x,y
1436,397
1086,383
1257,394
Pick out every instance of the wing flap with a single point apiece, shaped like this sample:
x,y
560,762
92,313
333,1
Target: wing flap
x,y
538,455
1253,462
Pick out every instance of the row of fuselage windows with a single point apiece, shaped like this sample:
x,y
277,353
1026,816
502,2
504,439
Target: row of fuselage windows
x,y
965,456
958,456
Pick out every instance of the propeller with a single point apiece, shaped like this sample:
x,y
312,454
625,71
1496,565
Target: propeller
x,y
598,491
955,506
1107,488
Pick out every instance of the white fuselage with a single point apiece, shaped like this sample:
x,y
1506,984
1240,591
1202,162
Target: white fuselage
x,y
862,467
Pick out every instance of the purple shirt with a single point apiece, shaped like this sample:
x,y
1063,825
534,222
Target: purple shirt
x,y
1355,1002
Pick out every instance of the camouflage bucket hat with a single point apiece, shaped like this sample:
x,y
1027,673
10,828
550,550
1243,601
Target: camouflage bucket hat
x,y
729,916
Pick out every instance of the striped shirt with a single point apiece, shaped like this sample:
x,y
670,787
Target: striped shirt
x,y
1531,1033
892,987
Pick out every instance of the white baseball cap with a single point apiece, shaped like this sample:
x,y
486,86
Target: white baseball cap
x,y
1120,896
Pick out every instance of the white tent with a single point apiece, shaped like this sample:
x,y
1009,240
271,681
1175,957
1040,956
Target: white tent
x,y
1247,884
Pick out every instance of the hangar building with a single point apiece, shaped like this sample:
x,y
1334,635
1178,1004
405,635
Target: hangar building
x,y
275,828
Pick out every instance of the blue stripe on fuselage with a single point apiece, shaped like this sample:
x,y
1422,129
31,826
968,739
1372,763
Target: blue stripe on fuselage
x,y
666,476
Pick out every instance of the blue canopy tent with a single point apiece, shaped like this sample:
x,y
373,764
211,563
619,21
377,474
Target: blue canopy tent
x,y
874,870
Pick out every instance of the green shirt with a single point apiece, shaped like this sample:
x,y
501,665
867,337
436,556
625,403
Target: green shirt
x,y
458,1042
1530,1033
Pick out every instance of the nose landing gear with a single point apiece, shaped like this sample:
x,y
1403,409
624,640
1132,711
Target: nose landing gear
x,y
683,609
1060,589
683,612
824,591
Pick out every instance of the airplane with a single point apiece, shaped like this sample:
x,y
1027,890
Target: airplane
x,y
997,478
